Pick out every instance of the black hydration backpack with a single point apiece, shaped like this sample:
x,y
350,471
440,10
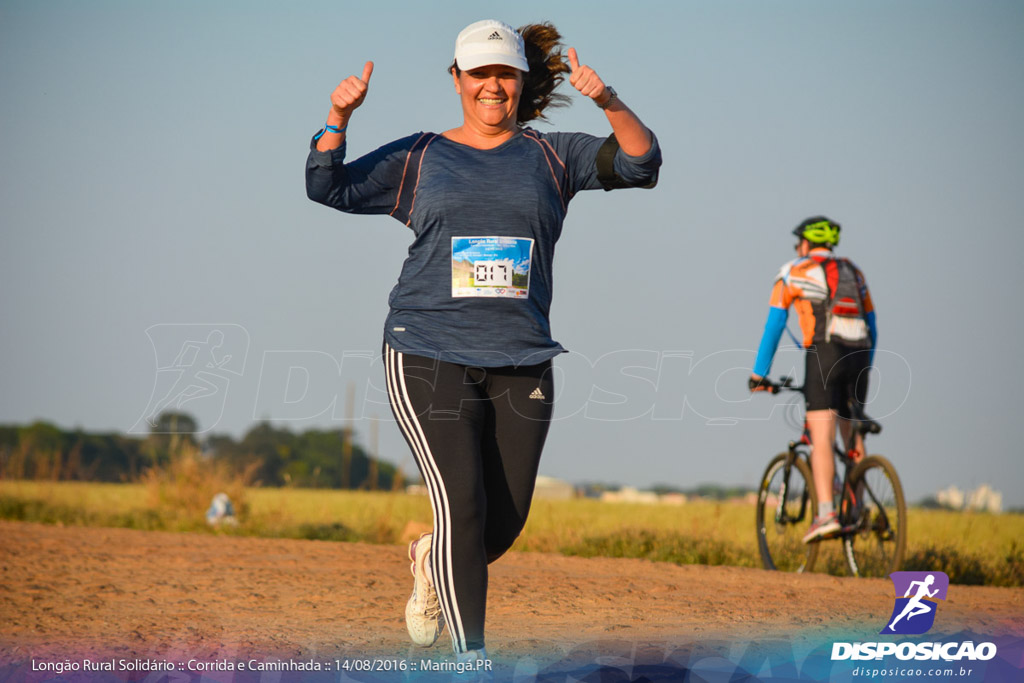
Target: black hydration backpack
x,y
844,310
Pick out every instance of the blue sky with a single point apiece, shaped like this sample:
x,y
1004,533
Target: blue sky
x,y
151,190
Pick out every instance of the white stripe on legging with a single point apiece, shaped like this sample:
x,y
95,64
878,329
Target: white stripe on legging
x,y
442,558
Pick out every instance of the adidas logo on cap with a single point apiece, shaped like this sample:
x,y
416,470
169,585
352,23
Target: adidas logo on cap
x,y
537,394
490,42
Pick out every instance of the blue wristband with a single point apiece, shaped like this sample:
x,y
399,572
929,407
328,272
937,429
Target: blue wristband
x,y
332,129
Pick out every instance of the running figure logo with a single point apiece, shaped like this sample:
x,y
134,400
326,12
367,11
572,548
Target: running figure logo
x,y
194,366
914,612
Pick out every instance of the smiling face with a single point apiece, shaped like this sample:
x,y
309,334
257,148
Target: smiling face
x,y
490,97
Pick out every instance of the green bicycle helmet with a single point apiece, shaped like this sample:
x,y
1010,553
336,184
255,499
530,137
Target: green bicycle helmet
x,y
819,230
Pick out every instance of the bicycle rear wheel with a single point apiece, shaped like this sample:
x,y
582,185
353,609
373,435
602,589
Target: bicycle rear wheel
x,y
786,502
876,541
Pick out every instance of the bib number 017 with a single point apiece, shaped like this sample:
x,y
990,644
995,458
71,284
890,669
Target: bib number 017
x,y
492,274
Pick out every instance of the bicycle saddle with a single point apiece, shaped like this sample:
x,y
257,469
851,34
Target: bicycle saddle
x,y
862,423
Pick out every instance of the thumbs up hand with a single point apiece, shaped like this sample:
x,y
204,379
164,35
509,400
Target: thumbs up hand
x,y
586,80
351,92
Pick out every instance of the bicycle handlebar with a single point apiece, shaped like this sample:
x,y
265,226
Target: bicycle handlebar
x,y
783,383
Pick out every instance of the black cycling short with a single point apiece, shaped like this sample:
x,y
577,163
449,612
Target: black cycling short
x,y
834,374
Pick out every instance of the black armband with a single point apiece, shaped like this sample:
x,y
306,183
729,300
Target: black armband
x,y
605,163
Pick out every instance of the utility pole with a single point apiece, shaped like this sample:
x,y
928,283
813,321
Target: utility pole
x,y
346,445
374,435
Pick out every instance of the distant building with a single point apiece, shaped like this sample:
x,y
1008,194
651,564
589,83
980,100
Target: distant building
x,y
951,498
549,488
628,494
985,499
982,499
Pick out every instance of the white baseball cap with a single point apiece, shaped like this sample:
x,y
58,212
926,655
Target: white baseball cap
x,y
490,42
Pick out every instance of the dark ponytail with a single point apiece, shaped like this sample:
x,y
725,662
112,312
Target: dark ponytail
x,y
547,66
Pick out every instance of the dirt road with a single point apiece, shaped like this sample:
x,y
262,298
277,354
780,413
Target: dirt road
x,y
76,593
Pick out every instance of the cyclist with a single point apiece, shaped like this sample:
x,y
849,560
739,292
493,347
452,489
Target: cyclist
x,y
837,321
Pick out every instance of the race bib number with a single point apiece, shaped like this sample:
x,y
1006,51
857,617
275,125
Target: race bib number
x,y
491,266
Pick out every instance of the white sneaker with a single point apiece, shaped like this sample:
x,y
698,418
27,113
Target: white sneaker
x,y
423,617
822,527
474,666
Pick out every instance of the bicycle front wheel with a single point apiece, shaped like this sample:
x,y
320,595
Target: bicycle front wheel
x,y
786,501
876,539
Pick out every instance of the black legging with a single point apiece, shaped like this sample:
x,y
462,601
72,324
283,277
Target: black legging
x,y
476,434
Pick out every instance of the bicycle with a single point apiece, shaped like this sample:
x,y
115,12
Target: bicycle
x,y
868,499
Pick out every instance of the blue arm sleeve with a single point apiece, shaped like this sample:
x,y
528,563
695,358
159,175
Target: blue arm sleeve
x,y
873,331
773,328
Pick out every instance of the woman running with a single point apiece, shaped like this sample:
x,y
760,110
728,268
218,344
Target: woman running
x,y
467,342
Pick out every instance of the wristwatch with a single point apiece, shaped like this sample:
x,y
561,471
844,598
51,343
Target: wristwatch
x,y
612,96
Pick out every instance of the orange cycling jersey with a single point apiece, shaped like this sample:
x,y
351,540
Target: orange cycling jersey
x,y
807,284
802,284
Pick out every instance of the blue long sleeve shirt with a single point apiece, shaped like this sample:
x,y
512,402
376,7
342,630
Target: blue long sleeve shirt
x,y
476,286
